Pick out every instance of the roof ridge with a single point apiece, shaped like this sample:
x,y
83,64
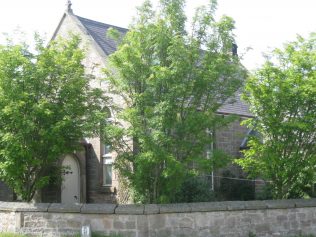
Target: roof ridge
x,y
97,30
106,46
102,23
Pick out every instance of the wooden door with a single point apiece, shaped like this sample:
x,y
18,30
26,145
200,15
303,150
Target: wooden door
x,y
70,189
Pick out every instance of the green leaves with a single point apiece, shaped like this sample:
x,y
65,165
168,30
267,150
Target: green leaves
x,y
46,108
283,99
172,82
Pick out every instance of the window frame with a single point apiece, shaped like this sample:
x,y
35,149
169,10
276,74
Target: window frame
x,y
107,169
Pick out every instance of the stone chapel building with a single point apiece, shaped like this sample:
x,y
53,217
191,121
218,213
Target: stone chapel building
x,y
91,178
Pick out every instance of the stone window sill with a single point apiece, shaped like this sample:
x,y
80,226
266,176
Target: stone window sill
x,y
107,189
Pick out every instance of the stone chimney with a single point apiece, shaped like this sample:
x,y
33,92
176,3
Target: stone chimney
x,y
68,7
234,49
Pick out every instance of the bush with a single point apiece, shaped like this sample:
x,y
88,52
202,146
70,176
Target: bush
x,y
195,189
265,193
232,190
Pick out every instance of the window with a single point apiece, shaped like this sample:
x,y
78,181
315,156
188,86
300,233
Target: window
x,y
107,155
106,150
107,166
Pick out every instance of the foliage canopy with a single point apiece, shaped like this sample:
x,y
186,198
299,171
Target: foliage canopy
x,y
46,108
172,81
282,96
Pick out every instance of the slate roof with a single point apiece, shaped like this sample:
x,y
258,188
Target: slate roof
x,y
98,30
235,106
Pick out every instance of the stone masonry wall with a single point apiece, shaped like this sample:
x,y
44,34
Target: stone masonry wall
x,y
93,62
230,138
217,219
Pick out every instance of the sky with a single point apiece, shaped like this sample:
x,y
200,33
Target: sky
x,y
260,24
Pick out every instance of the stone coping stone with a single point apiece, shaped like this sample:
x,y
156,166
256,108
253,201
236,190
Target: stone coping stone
x,y
174,208
132,209
98,208
235,205
305,203
32,207
22,206
151,209
7,206
280,204
65,208
208,206
255,205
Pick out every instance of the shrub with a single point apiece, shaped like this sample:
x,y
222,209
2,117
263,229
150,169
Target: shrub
x,y
231,189
195,189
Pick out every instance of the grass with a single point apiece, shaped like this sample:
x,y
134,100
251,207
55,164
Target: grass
x,y
94,234
251,234
305,235
11,235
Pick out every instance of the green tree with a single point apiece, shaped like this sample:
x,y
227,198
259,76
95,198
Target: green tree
x,y
282,96
172,81
46,108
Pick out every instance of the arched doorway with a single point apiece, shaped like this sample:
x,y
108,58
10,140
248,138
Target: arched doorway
x,y
70,188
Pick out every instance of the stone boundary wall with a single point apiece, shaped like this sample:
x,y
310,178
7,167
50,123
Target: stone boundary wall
x,y
218,219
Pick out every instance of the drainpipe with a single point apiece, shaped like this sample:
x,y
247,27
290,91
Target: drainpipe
x,y
87,146
209,155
